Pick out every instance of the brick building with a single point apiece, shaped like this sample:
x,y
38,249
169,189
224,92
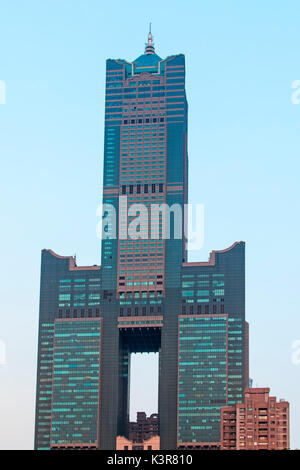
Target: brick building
x,y
143,428
260,423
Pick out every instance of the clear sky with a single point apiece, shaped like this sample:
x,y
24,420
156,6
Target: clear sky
x,y
241,61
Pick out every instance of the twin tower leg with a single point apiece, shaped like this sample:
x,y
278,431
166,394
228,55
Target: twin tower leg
x,y
117,346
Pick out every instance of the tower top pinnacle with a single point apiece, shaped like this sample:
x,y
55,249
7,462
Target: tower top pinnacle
x,y
149,49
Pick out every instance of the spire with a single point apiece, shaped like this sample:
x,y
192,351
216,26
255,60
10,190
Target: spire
x,y
149,49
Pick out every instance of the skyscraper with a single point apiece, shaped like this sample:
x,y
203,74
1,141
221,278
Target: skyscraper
x,y
146,297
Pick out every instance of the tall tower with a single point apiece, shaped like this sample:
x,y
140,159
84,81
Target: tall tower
x,y
146,297
145,162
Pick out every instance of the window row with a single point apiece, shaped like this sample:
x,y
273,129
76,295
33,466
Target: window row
x,y
79,313
140,311
202,309
141,120
139,188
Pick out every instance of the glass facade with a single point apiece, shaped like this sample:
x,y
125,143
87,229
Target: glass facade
x,y
202,380
44,387
76,381
67,293
145,121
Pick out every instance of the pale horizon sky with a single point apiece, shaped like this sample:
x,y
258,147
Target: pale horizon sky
x,y
244,130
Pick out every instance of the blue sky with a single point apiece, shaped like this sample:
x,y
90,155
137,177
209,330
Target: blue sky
x,y
241,61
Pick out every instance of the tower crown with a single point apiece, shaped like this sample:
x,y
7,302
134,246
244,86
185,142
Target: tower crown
x,y
149,46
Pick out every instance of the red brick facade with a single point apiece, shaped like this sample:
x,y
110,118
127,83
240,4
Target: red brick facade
x,y
259,423
143,428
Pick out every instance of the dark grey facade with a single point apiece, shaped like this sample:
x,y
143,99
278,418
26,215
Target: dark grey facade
x,y
67,293
145,295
